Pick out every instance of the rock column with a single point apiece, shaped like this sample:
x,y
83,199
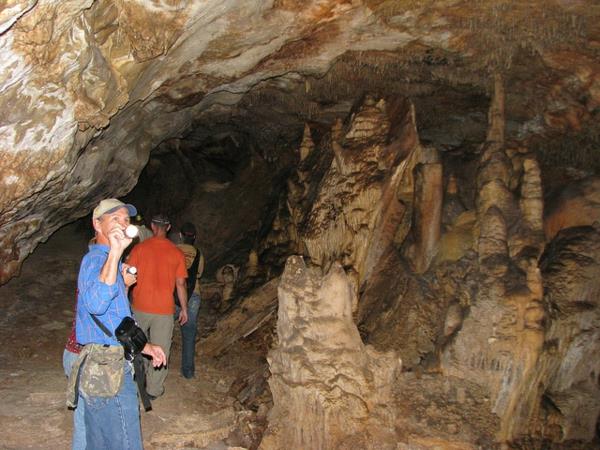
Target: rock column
x,y
501,339
329,389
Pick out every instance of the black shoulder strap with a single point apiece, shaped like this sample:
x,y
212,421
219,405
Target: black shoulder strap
x,y
140,379
101,325
193,271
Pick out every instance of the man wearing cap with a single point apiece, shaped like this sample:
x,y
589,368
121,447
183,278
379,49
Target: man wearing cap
x,y
160,270
110,421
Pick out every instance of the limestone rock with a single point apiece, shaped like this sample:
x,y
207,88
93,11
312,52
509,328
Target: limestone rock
x,y
197,430
314,95
328,387
452,206
427,214
492,245
354,217
256,309
459,238
396,313
531,201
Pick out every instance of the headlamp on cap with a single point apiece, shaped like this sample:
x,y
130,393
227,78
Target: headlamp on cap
x,y
161,219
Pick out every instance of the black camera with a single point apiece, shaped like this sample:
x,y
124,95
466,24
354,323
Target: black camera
x,y
131,337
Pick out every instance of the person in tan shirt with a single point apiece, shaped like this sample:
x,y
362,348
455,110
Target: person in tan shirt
x,y
194,262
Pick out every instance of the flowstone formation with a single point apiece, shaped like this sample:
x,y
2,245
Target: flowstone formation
x,y
329,389
346,215
350,211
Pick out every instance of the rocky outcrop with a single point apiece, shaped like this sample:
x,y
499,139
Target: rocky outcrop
x,y
329,389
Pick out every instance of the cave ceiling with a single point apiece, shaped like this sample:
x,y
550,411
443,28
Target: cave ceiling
x,y
90,91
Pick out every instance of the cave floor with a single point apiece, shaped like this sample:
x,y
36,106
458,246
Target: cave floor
x,y
201,413
38,306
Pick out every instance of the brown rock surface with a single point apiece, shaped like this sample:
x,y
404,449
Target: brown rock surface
x,y
578,204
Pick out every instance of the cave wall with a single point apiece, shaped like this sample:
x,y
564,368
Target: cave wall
x,y
462,294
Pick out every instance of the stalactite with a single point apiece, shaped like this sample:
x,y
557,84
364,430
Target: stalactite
x,y
427,214
307,145
496,113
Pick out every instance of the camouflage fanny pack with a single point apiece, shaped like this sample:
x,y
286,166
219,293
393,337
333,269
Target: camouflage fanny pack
x,y
98,372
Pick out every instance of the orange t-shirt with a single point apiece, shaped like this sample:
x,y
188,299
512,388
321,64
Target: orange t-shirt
x,y
158,262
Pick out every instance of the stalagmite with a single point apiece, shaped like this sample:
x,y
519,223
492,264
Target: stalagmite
x,y
252,265
492,246
531,202
329,389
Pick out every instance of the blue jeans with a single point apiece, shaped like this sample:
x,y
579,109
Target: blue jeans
x,y
188,336
78,442
114,422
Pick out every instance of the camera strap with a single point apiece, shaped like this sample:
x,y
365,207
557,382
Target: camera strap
x,y
140,378
101,325
138,369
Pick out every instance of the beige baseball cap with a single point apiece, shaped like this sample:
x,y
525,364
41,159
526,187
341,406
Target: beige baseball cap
x,y
109,205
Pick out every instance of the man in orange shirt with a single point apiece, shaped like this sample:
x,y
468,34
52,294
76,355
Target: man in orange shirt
x,y
160,270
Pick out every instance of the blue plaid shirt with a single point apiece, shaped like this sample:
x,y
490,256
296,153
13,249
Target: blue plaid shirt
x,y
108,303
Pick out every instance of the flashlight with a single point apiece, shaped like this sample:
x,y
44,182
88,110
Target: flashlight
x,y
131,231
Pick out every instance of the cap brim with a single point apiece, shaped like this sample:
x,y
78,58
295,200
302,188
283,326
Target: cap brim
x,y
130,209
